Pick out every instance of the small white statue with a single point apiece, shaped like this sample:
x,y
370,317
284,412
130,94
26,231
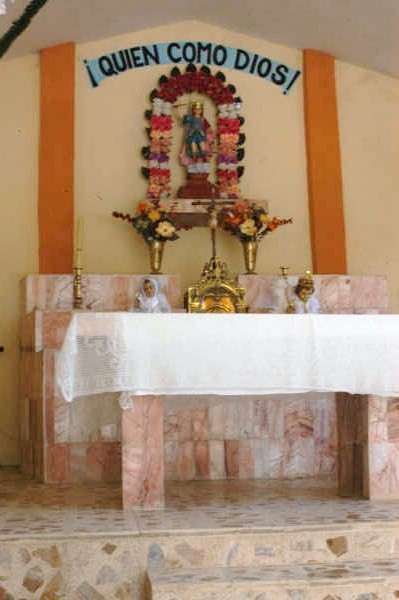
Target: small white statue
x,y
150,299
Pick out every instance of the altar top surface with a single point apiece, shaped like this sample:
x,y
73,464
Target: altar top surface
x,y
252,354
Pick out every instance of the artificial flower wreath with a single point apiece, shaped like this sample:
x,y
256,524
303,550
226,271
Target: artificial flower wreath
x,y
161,124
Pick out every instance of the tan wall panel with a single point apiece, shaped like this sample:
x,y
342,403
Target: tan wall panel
x,y
19,124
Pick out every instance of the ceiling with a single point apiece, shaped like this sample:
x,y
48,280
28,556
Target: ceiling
x,y
361,32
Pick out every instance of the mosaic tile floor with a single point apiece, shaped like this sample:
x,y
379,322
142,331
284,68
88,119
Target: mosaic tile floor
x,y
30,508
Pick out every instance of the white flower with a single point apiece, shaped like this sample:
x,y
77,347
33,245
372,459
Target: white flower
x,y
232,111
165,229
227,166
166,108
157,107
248,227
223,110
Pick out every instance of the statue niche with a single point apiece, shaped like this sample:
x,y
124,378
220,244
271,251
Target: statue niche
x,y
200,141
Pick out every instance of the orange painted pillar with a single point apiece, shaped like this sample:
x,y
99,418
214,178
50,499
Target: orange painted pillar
x,y
56,159
326,209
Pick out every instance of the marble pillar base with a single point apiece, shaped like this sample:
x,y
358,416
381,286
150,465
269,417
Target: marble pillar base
x,y
142,453
368,449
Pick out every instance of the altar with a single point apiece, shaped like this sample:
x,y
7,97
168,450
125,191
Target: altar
x,y
214,434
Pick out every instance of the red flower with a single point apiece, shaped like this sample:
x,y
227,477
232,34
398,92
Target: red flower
x,y
161,122
226,125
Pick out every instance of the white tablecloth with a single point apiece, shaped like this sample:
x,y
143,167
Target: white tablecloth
x,y
229,354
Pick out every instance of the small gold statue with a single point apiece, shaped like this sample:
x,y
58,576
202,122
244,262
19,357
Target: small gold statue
x,y
304,298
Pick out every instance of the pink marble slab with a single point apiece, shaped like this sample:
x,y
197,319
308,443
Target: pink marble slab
x,y
143,424
216,460
231,454
78,463
369,292
186,464
299,457
143,452
380,474
171,427
100,292
231,415
142,476
216,420
49,385
336,293
200,424
185,426
274,459
377,430
201,459
246,464
171,460
393,420
57,459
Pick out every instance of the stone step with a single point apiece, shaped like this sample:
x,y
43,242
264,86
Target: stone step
x,y
262,547
357,580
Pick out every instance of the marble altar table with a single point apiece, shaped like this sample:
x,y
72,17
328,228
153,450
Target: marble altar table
x,y
274,436
147,356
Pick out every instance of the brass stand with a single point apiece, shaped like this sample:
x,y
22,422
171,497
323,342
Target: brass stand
x,y
78,267
77,288
290,304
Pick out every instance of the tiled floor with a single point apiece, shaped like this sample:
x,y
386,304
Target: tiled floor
x,y
30,508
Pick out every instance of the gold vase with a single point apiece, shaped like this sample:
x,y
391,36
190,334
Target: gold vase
x,y
250,249
156,252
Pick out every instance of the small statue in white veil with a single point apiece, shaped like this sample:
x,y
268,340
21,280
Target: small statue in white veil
x,y
150,299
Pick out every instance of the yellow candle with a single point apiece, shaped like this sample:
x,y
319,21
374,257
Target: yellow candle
x,y
79,236
79,243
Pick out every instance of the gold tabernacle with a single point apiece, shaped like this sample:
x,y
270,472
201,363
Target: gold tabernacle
x,y
217,291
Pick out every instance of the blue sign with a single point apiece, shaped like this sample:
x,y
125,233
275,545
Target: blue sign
x,y
210,53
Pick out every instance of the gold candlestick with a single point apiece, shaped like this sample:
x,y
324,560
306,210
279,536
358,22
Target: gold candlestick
x,y
77,288
284,271
78,268
290,304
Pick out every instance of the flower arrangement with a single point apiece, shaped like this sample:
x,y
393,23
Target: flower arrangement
x,y
153,222
249,221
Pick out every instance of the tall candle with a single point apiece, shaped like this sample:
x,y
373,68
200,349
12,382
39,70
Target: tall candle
x,y
79,243
79,236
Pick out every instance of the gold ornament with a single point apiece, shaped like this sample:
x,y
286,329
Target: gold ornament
x,y
217,291
250,251
156,253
